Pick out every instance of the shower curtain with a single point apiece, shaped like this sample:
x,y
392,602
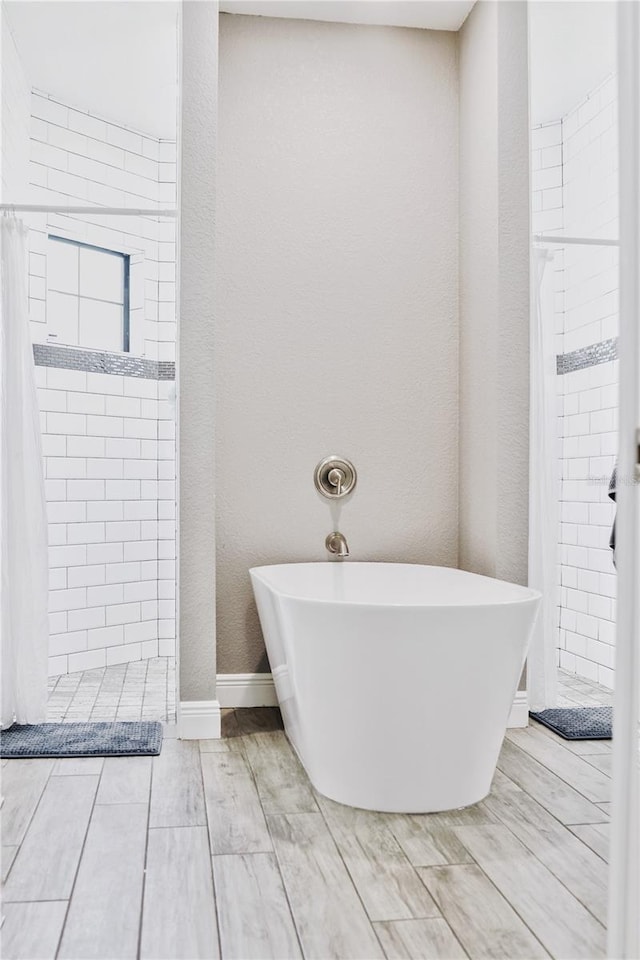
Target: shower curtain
x,y
24,577
544,492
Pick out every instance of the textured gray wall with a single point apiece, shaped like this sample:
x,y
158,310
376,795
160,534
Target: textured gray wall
x,y
196,529
494,291
336,321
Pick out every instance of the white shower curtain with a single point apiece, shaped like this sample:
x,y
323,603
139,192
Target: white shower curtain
x,y
542,670
24,574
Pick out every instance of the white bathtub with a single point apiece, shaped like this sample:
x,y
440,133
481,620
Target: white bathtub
x,y
395,680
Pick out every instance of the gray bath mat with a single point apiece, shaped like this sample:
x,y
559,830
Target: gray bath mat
x,y
577,723
125,739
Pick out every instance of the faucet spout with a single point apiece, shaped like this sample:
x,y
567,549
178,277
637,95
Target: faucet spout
x,y
337,545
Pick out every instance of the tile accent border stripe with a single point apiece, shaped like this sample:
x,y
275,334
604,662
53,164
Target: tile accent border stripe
x,y
97,361
589,356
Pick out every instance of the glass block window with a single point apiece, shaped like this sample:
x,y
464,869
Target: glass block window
x,y
87,295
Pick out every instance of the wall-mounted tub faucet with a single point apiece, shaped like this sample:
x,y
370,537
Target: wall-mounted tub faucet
x,y
337,545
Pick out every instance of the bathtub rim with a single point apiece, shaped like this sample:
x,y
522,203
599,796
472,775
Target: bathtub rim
x,y
529,593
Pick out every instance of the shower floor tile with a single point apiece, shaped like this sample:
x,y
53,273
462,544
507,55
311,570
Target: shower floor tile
x,y
576,691
142,690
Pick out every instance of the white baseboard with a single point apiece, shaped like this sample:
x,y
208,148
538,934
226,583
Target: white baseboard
x,y
257,690
199,720
246,690
519,716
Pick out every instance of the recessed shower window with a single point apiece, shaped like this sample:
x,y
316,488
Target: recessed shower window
x,y
87,295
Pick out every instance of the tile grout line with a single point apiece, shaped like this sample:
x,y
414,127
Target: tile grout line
x,y
28,826
157,460
284,885
415,869
275,851
402,854
144,869
58,900
549,770
535,855
75,877
562,744
210,857
344,863
595,852
102,679
442,917
124,681
503,897
141,681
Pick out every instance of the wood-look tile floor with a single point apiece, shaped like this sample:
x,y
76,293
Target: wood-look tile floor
x,y
223,848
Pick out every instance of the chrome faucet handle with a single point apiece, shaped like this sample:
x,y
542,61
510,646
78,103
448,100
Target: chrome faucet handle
x,y
336,477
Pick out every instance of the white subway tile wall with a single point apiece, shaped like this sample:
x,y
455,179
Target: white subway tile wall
x,y
107,527
575,164
107,439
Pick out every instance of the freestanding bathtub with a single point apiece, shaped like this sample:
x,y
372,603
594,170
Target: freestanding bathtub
x,y
395,680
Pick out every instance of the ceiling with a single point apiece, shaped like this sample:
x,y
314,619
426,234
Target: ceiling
x,y
115,59
572,50
424,14
119,59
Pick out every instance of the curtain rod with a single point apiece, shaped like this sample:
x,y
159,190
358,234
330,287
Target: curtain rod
x,y
100,211
590,241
